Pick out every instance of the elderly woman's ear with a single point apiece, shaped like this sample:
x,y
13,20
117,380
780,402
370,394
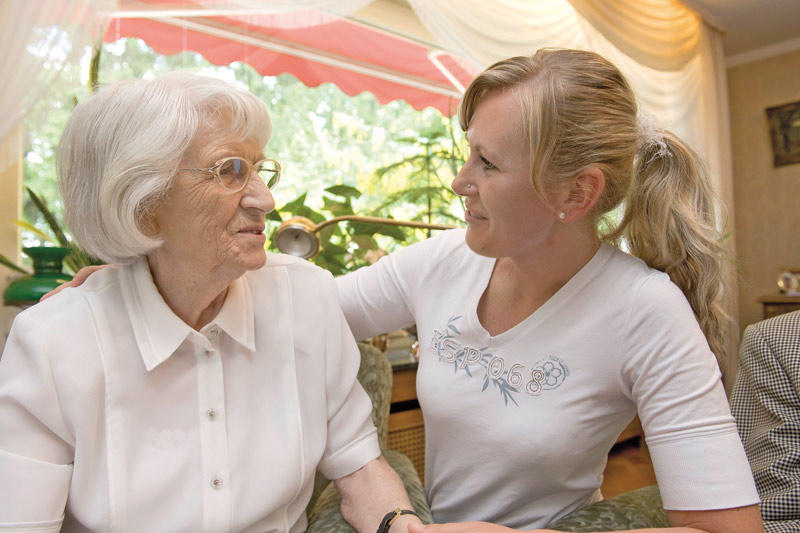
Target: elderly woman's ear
x,y
148,225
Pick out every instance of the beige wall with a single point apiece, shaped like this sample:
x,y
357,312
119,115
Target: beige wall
x,y
766,198
10,193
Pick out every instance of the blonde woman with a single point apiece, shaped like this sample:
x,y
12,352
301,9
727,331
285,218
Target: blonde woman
x,y
539,338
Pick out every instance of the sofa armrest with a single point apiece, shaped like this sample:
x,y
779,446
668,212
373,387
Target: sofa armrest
x,y
637,509
326,515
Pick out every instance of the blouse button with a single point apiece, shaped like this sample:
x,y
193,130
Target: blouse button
x,y
209,353
216,483
211,414
213,332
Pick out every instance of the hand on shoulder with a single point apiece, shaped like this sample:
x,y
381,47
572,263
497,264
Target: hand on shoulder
x,y
76,281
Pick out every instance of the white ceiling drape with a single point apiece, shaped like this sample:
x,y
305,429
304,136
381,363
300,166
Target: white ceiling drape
x,y
656,43
38,40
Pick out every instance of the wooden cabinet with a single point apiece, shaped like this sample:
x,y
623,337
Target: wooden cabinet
x,y
406,427
777,304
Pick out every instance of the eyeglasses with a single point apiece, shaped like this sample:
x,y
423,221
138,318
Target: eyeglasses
x,y
233,173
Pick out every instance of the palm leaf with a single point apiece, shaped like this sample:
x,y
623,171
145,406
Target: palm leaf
x,y
49,218
94,66
33,229
12,265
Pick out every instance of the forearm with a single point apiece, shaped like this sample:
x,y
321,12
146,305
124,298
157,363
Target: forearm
x,y
738,520
374,298
369,493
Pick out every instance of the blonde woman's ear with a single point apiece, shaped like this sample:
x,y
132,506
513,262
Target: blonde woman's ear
x,y
585,191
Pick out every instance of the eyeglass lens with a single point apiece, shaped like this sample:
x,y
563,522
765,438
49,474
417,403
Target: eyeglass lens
x,y
234,173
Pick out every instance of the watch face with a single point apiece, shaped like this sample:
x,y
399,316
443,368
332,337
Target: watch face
x,y
789,281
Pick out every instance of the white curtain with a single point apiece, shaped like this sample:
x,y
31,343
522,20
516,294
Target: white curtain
x,y
672,58
656,43
38,39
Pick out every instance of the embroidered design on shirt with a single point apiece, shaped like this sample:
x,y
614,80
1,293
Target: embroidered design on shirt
x,y
509,378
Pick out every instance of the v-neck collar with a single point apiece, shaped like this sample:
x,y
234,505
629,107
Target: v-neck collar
x,y
543,312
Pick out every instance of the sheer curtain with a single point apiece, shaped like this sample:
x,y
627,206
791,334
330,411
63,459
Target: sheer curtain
x,y
672,58
665,50
38,39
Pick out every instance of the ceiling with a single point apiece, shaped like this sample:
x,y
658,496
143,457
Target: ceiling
x,y
753,26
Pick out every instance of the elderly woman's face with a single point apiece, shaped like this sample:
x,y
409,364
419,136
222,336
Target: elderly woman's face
x,y
215,231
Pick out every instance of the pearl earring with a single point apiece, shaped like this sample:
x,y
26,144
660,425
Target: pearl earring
x,y
468,186
562,215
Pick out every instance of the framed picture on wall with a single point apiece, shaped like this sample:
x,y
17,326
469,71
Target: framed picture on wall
x,y
784,129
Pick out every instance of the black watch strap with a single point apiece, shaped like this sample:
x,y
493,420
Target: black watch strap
x,y
390,517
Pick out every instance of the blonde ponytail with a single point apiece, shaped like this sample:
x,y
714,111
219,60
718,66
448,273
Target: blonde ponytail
x,y
670,222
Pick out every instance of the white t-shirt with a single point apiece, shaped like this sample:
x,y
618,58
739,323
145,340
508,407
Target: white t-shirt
x,y
113,406
518,425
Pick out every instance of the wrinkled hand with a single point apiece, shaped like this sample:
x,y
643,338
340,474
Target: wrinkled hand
x,y
463,527
77,280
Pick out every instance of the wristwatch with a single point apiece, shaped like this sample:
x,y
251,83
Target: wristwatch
x,y
390,517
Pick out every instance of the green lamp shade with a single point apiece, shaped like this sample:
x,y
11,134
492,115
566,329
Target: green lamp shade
x,y
47,275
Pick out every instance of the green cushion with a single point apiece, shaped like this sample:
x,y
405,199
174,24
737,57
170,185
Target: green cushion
x,y
640,508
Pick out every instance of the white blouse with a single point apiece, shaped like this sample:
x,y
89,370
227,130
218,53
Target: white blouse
x,y
117,416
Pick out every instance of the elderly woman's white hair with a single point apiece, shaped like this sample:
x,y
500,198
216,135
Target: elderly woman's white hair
x,y
122,147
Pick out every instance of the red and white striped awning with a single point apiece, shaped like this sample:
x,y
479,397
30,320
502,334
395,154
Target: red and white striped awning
x,y
315,47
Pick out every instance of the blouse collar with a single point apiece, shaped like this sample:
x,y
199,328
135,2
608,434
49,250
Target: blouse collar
x,y
159,331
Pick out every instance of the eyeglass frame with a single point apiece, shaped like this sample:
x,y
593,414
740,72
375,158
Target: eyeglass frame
x,y
252,166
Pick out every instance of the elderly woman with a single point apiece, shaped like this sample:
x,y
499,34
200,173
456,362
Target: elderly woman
x,y
201,385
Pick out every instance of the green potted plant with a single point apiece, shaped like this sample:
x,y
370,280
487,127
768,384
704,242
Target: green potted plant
x,y
48,261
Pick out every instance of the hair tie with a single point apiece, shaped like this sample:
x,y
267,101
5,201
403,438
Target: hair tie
x,y
651,135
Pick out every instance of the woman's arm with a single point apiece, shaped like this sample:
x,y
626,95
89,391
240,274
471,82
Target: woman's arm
x,y
738,520
381,298
371,492
375,299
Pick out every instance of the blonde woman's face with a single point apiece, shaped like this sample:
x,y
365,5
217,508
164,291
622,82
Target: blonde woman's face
x,y
219,232
505,216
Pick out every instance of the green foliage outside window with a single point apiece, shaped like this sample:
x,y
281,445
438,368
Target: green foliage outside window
x,y
340,155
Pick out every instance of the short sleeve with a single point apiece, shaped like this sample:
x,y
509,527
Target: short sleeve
x,y
673,377
379,298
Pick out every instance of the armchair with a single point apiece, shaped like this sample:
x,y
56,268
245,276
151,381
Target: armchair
x,y
375,375
640,508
